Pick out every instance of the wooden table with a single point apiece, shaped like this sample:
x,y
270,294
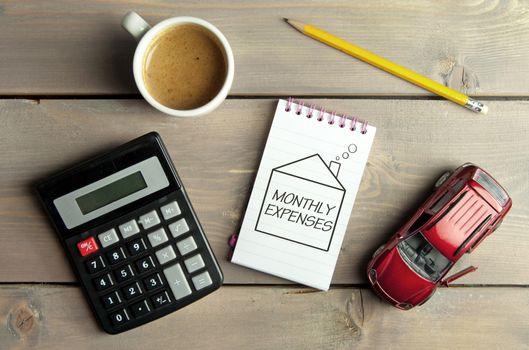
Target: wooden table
x,y
67,92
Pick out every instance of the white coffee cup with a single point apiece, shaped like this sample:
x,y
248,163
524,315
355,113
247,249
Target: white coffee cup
x,y
144,34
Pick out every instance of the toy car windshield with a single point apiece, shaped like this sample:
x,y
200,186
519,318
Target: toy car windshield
x,y
423,258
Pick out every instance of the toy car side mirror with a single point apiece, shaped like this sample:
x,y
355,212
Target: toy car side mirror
x,y
457,275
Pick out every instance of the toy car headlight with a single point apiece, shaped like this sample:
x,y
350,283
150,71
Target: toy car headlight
x,y
404,306
373,276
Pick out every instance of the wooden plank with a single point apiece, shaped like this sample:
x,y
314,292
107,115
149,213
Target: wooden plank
x,y
44,317
78,48
217,157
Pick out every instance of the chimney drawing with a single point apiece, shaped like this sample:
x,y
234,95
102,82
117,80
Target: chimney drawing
x,y
334,167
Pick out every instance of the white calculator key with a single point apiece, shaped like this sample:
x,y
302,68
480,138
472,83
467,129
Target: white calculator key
x,y
202,281
177,281
157,237
108,238
186,245
165,255
149,220
170,210
128,229
179,227
194,263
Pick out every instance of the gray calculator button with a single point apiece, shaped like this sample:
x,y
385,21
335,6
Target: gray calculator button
x,y
202,281
177,281
194,263
149,220
108,238
186,245
179,227
170,210
130,228
157,237
165,255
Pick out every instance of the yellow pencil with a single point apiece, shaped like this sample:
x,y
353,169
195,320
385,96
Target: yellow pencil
x,y
388,66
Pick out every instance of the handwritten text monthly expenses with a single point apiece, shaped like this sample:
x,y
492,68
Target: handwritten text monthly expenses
x,y
316,210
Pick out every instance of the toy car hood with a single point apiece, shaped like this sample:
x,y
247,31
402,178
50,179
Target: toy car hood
x,y
397,279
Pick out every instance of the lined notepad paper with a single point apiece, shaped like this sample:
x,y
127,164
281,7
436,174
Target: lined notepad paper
x,y
303,194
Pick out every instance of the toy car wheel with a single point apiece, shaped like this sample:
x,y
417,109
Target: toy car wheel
x,y
441,180
379,249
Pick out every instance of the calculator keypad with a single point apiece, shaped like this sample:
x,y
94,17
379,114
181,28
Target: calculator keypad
x,y
137,246
128,229
95,265
179,227
124,273
104,282
149,220
116,256
111,300
132,291
165,255
145,264
108,238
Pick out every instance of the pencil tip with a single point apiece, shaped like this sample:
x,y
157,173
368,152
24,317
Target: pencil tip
x,y
285,19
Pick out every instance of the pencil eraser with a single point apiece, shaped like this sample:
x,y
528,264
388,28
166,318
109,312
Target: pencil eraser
x,y
484,110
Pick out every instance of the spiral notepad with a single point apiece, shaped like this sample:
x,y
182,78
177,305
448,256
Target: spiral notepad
x,y
303,194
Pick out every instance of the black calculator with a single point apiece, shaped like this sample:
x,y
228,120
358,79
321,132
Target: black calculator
x,y
131,234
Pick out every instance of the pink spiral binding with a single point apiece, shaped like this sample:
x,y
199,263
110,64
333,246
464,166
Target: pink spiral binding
x,y
300,108
364,127
289,104
353,123
311,109
321,115
342,120
333,115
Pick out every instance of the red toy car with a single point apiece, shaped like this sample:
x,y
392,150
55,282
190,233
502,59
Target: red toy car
x,y
467,206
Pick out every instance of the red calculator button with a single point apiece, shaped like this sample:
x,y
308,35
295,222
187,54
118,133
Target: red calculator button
x,y
88,246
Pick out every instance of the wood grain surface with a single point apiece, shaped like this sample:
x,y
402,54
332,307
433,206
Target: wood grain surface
x,y
51,317
78,47
217,157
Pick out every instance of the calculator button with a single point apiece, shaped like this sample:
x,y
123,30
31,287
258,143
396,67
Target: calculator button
x,y
120,317
95,265
186,245
111,300
123,274
140,309
202,281
165,255
137,246
116,256
157,237
194,263
179,227
108,238
153,282
161,299
132,291
145,264
103,282
128,229
177,281
87,247
149,220
170,210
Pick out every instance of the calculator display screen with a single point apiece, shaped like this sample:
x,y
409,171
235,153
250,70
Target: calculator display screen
x,y
111,192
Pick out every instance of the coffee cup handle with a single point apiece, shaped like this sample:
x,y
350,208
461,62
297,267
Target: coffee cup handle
x,y
135,25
